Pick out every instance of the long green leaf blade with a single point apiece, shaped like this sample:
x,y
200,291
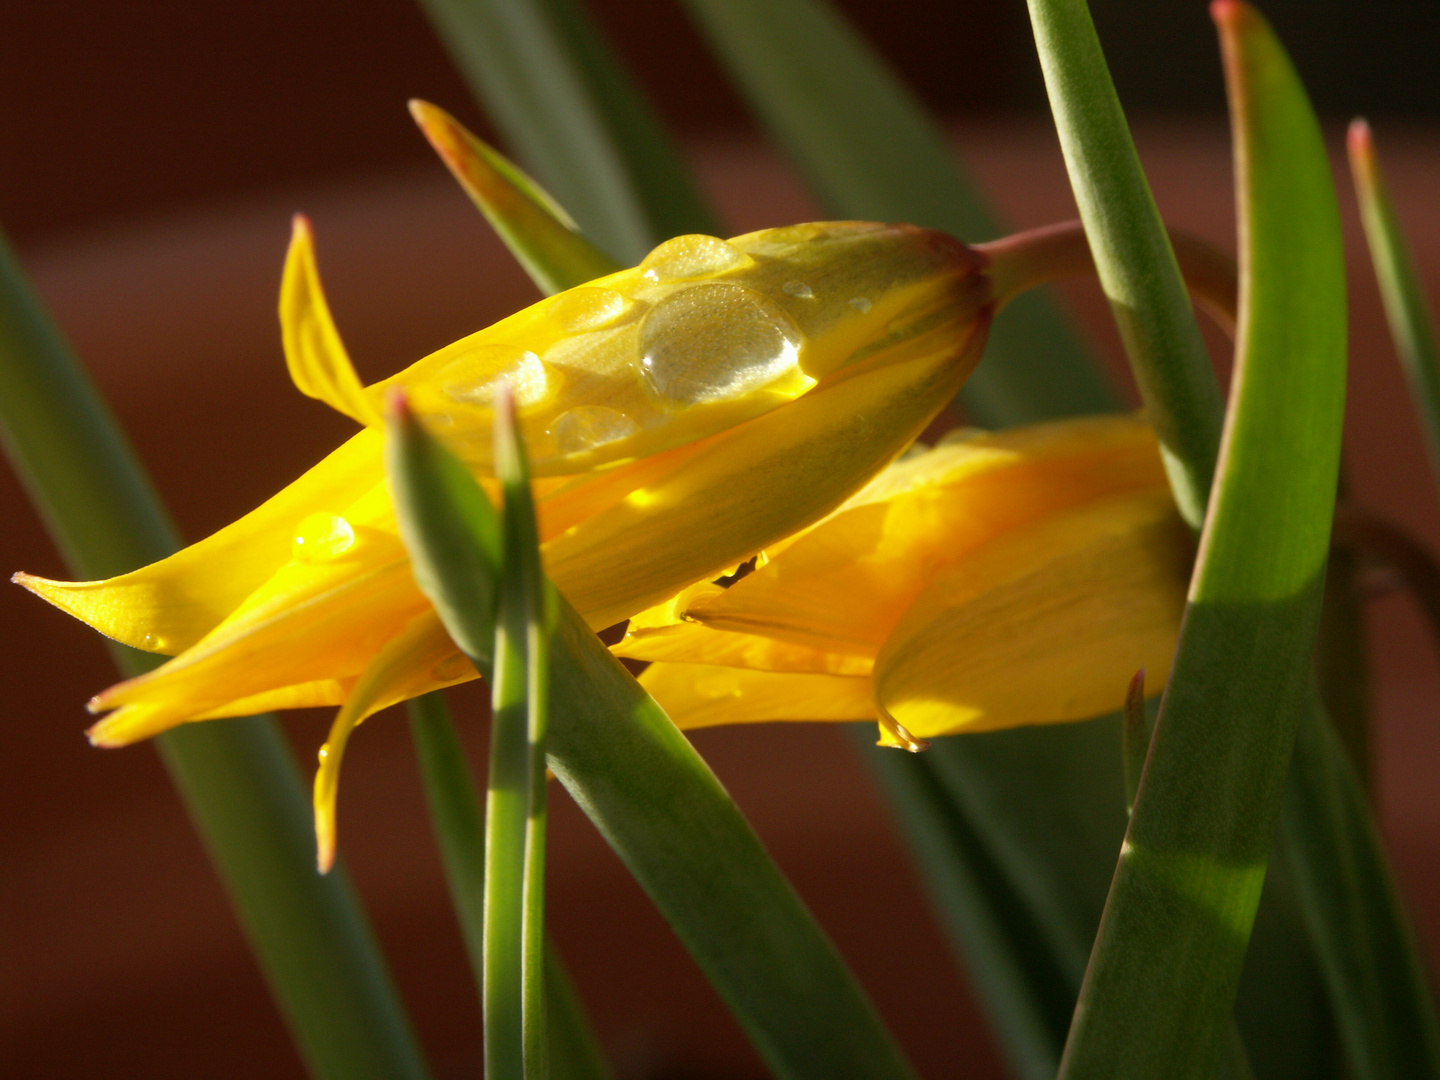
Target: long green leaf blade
x,y
667,816
1412,324
1159,991
459,827
1132,253
237,777
570,112
515,800
869,151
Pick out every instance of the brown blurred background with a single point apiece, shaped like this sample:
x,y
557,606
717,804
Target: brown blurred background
x,y
150,157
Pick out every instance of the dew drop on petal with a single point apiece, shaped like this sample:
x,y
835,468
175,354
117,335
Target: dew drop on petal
x,y
799,290
686,258
587,308
521,368
320,538
712,342
588,426
861,304
451,668
154,643
324,753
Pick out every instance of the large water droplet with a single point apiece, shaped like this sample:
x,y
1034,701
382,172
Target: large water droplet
x,y
320,538
588,426
471,379
686,258
587,308
155,643
712,342
799,290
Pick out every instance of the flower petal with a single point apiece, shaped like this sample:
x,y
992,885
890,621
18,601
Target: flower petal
x,y
922,514
168,606
319,365
703,695
1045,624
661,633
701,336
418,659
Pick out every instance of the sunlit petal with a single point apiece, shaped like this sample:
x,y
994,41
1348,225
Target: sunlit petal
x,y
703,695
1047,624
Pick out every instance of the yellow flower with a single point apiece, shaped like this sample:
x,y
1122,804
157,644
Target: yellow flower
x,y
679,416
995,580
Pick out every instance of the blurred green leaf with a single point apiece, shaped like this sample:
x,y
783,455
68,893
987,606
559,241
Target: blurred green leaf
x,y
869,152
1161,983
662,810
568,110
536,229
1383,999
1412,324
237,777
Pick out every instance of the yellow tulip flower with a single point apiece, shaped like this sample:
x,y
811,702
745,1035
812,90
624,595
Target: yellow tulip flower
x,y
993,581
680,416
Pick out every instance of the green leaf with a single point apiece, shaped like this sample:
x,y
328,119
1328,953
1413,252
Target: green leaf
x,y
536,229
515,800
667,817
1132,252
1412,324
569,111
460,831
1161,983
237,777
1382,994
869,152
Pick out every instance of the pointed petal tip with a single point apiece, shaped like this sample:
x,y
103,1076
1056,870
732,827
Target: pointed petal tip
x,y
397,406
1227,12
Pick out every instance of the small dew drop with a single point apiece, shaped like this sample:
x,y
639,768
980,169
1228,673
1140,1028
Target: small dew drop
x,y
861,304
153,643
712,342
324,753
587,308
799,290
686,258
321,538
521,368
452,667
587,426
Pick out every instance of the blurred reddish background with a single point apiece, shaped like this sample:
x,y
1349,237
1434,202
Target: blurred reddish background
x,y
149,161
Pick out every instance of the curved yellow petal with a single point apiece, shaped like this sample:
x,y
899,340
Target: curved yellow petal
x,y
418,659
319,365
744,488
310,621
170,605
922,514
309,695
1045,624
702,695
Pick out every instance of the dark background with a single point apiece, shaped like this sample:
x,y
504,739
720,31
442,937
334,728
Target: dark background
x,y
149,158
109,111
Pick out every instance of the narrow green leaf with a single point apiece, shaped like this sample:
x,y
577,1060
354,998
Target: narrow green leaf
x,y
1412,324
515,800
536,229
1132,253
1161,983
569,111
237,777
869,152
666,815
459,829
